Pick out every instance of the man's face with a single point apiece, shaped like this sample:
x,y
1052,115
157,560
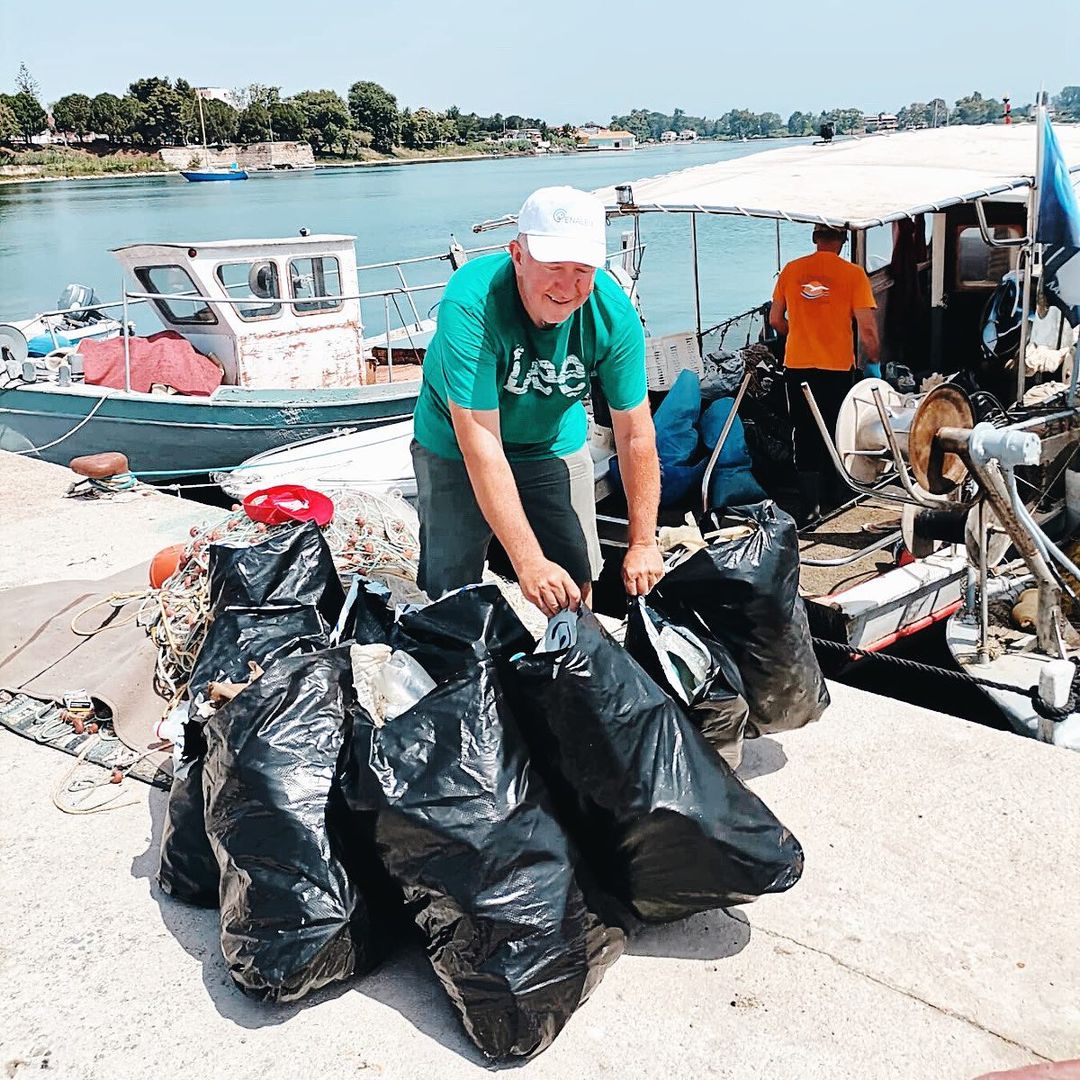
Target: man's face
x,y
551,292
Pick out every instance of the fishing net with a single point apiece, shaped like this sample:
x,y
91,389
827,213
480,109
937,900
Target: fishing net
x,y
376,535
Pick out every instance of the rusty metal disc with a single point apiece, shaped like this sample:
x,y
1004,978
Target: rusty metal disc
x,y
935,471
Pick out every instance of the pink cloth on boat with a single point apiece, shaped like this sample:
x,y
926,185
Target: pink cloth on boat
x,y
166,357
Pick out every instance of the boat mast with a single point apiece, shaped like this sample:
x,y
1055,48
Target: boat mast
x,y
1032,248
202,125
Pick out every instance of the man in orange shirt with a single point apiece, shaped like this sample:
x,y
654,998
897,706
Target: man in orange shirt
x,y
814,302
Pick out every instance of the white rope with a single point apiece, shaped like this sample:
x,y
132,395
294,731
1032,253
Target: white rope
x,y
85,420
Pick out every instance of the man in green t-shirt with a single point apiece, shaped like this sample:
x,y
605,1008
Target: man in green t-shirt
x,y
500,428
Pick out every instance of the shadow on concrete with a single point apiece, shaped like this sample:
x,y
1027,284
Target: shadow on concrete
x,y
712,935
408,985
197,930
761,756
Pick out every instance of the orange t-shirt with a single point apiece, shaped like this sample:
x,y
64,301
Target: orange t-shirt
x,y
821,293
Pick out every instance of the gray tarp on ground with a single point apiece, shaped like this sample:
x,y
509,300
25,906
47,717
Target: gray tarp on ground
x,y
42,656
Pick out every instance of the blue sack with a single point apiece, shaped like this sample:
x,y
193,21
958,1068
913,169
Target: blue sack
x,y
733,486
679,484
735,451
676,420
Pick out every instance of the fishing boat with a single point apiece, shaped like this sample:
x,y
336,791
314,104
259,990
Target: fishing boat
x,y
937,530
263,345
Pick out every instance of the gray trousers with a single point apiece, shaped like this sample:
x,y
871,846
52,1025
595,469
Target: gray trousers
x,y
558,498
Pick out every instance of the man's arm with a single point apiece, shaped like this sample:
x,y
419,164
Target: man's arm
x,y
778,316
869,342
639,467
543,583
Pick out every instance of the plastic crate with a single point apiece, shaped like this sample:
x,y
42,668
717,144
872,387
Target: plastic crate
x,y
666,357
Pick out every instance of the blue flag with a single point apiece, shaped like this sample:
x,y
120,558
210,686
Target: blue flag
x,y
1058,229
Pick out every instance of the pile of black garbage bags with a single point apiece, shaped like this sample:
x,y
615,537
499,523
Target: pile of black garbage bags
x,y
348,774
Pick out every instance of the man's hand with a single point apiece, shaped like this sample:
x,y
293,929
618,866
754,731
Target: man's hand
x,y
642,568
549,587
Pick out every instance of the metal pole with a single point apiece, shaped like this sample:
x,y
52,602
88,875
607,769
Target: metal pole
x,y
697,282
723,439
412,302
1031,250
389,347
984,603
779,261
127,343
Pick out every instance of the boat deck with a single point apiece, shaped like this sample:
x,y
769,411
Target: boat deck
x,y
933,933
839,537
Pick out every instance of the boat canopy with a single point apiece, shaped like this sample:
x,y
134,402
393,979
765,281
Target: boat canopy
x,y
855,183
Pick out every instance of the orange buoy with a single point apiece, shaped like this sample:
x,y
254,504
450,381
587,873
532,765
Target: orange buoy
x,y
163,565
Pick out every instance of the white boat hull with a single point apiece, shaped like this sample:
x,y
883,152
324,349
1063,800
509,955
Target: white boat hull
x,y
1019,667
375,460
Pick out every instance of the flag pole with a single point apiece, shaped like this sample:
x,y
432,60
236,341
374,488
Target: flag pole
x,y
1033,246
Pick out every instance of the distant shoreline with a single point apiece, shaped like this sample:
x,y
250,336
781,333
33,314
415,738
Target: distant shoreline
x,y
377,163
373,163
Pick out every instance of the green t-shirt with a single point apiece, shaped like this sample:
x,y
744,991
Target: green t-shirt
x,y
488,354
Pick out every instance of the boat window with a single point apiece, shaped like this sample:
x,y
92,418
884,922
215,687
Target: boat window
x,y
980,266
175,281
255,280
320,276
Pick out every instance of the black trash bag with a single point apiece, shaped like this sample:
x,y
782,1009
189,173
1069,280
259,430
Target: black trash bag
x,y
188,869
371,615
463,825
694,669
661,820
291,921
746,592
473,623
237,636
294,566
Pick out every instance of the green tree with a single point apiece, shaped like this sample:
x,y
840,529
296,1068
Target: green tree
x,y
1067,103
163,112
72,113
29,114
325,117
254,124
9,123
141,89
375,109
800,123
288,120
107,117
221,121
938,112
975,109
915,115
738,123
768,123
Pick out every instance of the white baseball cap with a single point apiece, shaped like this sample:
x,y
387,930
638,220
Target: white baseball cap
x,y
564,224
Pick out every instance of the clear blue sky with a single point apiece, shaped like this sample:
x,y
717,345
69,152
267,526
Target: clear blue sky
x,y
557,59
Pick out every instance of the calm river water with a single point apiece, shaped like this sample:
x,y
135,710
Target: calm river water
x,y
55,233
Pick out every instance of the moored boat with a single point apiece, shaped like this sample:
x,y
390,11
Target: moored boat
x,y
274,329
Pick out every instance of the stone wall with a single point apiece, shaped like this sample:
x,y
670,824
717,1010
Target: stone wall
x,y
265,155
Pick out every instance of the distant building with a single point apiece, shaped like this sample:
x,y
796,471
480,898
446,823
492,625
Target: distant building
x,y
688,135
218,93
668,136
594,138
881,122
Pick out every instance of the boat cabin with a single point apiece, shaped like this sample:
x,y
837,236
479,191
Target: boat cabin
x,y
275,313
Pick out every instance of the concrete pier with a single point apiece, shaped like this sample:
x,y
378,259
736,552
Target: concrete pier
x,y
935,933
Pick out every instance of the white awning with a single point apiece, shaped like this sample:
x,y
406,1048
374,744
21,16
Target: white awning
x,y
853,182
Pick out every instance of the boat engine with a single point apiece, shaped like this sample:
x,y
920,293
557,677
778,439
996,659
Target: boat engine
x,y
77,302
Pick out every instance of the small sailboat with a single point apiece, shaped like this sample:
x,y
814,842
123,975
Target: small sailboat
x,y
207,173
